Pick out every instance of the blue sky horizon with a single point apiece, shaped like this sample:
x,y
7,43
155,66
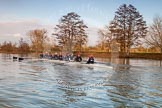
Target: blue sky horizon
x,y
19,16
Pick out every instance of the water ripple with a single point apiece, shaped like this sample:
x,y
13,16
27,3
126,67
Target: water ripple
x,y
43,84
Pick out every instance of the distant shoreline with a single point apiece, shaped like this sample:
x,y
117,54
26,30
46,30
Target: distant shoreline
x,y
154,56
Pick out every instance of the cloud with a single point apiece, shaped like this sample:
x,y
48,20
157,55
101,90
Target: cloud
x,y
14,30
92,35
17,35
17,26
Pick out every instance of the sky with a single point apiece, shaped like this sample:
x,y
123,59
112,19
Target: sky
x,y
17,17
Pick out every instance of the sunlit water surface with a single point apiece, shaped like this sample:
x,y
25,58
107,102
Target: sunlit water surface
x,y
43,84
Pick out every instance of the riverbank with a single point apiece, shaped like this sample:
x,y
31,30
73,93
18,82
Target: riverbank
x,y
154,56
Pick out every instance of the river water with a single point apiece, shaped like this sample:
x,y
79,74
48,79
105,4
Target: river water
x,y
43,84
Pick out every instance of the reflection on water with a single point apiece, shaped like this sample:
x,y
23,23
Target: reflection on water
x,y
43,84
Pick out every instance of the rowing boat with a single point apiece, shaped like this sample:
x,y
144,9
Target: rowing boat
x,y
72,63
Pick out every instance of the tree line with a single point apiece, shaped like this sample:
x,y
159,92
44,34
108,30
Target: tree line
x,y
127,28
9,47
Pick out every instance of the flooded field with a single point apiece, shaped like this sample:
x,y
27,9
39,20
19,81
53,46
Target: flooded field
x,y
43,84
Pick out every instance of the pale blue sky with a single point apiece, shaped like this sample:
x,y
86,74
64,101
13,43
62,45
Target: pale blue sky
x,y
95,13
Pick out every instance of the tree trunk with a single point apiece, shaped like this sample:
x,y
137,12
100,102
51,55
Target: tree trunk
x,y
128,51
69,46
80,47
161,58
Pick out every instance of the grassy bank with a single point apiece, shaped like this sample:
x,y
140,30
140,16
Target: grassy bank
x,y
155,56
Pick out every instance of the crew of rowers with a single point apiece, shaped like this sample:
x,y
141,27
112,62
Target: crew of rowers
x,y
67,57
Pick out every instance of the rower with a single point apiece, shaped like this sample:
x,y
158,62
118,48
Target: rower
x,y
71,57
60,57
55,56
67,57
46,55
90,60
41,55
78,58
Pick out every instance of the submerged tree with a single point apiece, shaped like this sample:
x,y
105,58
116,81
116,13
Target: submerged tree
x,y
70,31
38,38
154,38
128,27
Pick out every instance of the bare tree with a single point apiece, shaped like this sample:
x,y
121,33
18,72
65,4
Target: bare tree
x,y
23,46
105,38
81,38
154,38
128,27
38,38
70,31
